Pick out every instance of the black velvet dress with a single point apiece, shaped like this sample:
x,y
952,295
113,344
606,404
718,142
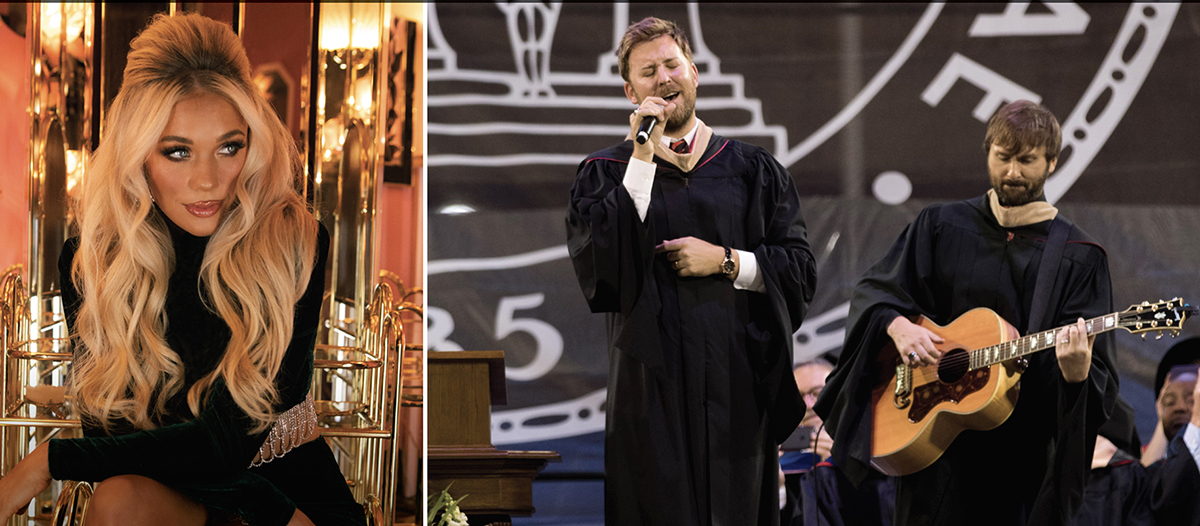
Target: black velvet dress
x,y
207,458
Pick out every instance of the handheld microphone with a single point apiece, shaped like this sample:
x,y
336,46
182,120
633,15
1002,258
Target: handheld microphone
x,y
645,129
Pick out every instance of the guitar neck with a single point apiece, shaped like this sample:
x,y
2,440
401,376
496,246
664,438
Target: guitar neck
x,y
1001,352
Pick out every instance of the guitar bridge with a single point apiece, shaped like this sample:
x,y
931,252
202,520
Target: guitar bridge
x,y
902,399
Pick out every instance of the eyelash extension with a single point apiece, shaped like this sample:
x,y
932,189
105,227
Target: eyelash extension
x,y
169,151
237,146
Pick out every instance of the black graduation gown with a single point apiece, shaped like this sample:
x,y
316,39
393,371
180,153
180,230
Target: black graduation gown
x,y
1116,495
824,497
1032,468
1175,486
700,389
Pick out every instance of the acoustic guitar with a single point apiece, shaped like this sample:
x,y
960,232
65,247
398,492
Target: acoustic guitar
x,y
918,411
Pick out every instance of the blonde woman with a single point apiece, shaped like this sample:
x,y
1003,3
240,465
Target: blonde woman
x,y
193,294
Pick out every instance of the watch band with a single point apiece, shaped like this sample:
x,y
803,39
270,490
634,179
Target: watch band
x,y
727,266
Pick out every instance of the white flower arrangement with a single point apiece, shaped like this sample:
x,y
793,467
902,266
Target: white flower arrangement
x,y
450,514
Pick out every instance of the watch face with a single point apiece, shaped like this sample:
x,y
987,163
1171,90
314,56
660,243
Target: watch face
x,y
727,266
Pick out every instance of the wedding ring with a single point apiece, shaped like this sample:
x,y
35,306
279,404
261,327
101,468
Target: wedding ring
x,y
912,356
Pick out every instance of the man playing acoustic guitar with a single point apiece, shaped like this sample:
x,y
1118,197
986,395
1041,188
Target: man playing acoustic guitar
x,y
986,252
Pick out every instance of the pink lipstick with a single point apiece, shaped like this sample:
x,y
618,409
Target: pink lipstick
x,y
203,209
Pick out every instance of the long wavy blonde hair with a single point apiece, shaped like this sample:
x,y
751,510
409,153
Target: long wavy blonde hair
x,y
257,262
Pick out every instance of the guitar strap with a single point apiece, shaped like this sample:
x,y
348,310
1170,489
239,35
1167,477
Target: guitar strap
x,y
1047,273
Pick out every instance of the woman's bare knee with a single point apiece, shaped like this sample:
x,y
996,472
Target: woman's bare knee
x,y
134,499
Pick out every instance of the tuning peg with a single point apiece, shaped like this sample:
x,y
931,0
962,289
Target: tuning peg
x,y
1158,335
1143,336
1145,304
1174,334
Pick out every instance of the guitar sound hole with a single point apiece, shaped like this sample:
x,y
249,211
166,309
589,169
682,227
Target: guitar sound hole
x,y
953,365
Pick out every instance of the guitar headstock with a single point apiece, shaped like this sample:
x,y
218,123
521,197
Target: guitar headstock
x,y
1164,316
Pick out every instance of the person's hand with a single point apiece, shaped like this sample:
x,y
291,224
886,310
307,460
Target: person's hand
x,y
915,343
655,107
1157,446
691,257
30,477
1074,351
1103,453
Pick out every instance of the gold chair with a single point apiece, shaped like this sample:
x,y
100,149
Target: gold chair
x,y
357,392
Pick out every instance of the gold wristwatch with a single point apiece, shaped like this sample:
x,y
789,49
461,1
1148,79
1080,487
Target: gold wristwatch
x,y
727,266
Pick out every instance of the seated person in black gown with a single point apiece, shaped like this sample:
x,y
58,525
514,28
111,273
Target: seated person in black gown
x,y
1117,491
819,494
192,293
1173,454
1173,409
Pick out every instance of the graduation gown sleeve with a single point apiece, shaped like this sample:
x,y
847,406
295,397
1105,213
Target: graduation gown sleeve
x,y
789,273
1175,486
900,282
612,250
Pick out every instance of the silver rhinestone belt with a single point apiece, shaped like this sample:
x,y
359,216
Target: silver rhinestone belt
x,y
289,431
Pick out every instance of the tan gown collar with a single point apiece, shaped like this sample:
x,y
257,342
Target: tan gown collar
x,y
685,161
1026,214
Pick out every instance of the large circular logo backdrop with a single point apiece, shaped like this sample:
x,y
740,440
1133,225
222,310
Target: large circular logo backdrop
x,y
877,110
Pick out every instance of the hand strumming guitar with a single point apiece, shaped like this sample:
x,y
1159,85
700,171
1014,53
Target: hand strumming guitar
x,y
914,342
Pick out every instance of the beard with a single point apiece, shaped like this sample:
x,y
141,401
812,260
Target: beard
x,y
1017,195
685,106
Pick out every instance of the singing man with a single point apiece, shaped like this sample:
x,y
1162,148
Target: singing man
x,y
694,246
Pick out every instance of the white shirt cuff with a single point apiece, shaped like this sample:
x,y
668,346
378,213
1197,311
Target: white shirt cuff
x,y
639,180
1191,438
748,277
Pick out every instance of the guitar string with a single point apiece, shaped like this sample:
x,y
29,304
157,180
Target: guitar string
x,y
1022,343
1025,346
1026,343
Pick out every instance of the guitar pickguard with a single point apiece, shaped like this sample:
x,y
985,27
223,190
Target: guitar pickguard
x,y
928,396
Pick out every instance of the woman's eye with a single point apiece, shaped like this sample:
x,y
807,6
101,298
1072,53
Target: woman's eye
x,y
176,153
232,148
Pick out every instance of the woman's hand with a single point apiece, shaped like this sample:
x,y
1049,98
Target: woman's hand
x,y
30,477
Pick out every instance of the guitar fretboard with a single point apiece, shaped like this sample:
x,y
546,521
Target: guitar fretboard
x,y
994,354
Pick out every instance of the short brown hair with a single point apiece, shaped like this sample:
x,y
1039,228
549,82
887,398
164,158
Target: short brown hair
x,y
1022,124
648,29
